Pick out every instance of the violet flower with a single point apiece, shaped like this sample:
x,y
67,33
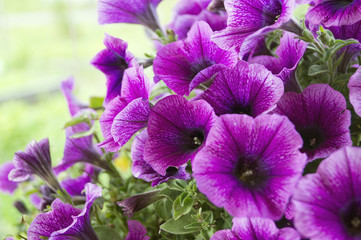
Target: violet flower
x,y
136,231
113,61
65,221
250,166
248,21
137,202
255,229
6,185
177,130
141,169
188,12
320,116
129,11
327,203
128,113
35,160
289,54
74,105
355,91
335,12
246,89
183,65
75,186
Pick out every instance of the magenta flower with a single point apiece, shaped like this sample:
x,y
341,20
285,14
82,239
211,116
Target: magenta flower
x,y
289,54
65,221
126,115
250,166
6,185
189,12
248,21
113,61
75,186
255,229
327,203
136,231
141,169
320,116
74,105
183,65
129,11
177,130
335,12
355,91
247,88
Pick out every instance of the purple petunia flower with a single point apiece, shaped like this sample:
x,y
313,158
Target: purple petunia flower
x,y
289,54
189,12
129,11
247,88
250,166
183,65
6,185
255,229
355,91
75,186
74,105
136,231
113,61
177,130
65,222
141,169
35,160
126,115
328,202
248,21
335,12
320,116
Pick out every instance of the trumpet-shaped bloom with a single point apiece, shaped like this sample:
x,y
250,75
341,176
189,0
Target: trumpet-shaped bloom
x,y
250,166
335,12
5,184
113,61
183,65
75,186
129,11
289,54
255,229
136,231
355,91
126,115
249,20
177,130
246,89
65,222
320,116
327,203
141,169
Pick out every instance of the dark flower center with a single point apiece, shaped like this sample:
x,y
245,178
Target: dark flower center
x,y
199,66
272,14
250,172
339,3
194,139
171,171
351,217
241,109
312,137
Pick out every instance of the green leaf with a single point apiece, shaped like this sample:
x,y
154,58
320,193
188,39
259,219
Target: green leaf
x,y
84,134
106,233
340,44
182,205
178,226
85,116
162,209
96,102
171,194
316,70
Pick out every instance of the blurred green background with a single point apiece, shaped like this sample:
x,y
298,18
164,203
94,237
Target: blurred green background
x,y
43,42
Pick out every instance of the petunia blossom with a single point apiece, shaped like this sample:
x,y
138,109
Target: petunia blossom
x,y
136,231
141,169
255,229
246,89
355,91
327,203
113,61
183,65
250,166
320,116
177,130
65,221
6,185
129,11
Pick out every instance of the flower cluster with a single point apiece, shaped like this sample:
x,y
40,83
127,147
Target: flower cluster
x,y
249,129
